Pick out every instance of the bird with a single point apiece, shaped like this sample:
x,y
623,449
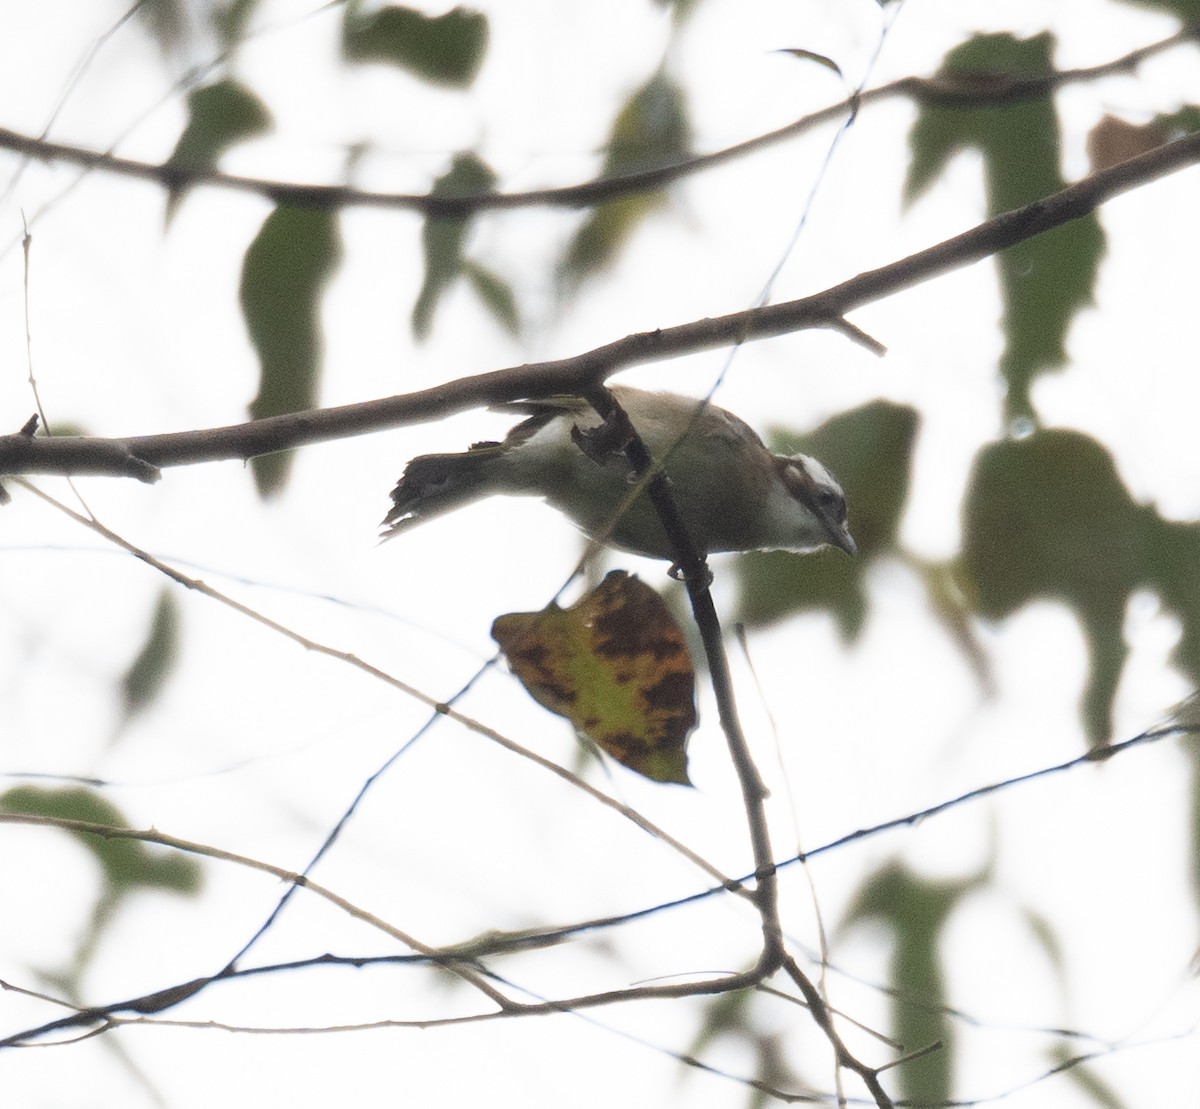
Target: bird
x,y
732,493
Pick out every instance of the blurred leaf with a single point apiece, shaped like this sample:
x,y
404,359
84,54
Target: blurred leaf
x,y
219,116
651,130
944,593
127,864
1188,10
810,56
1173,571
144,679
1183,121
914,912
1044,280
733,1017
725,1014
773,1068
1043,932
603,234
616,665
166,21
496,294
229,20
443,238
869,450
284,273
66,428
444,49
1113,141
680,9
1047,516
1085,1079
775,584
1193,753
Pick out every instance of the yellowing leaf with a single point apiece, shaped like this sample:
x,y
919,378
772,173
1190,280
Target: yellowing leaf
x,y
1113,141
616,665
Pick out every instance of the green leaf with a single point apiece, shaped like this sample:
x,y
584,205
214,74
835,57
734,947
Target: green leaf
x,y
166,21
1184,120
1187,10
1043,932
445,49
229,20
444,237
1173,571
603,234
496,294
1044,280
734,1018
869,449
1193,752
811,56
651,130
1047,516
147,674
284,273
680,9
914,911
727,1014
1084,1078
219,115
127,864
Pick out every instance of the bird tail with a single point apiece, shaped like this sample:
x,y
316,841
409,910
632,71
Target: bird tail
x,y
437,483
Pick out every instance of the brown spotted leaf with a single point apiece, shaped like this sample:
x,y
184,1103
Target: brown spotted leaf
x,y
616,665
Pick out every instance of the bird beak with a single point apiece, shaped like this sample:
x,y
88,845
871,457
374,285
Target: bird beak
x,y
841,538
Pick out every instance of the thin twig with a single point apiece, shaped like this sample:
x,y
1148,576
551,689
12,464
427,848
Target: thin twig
x,y
727,883
968,90
697,577
821,1014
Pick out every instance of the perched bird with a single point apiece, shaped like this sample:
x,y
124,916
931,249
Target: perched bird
x,y
732,493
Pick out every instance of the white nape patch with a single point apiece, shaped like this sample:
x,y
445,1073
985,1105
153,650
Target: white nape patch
x,y
815,470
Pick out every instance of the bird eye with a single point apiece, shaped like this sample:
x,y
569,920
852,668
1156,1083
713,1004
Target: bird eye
x,y
831,501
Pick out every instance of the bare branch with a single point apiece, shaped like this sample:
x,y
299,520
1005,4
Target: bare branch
x,y
968,90
125,457
697,577
821,1014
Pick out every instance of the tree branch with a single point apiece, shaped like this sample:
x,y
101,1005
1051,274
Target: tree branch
x,y
139,455
696,575
967,90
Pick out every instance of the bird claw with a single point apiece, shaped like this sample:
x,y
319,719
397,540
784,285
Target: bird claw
x,y
606,439
677,573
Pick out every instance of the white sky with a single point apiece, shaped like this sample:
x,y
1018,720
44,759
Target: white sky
x,y
257,746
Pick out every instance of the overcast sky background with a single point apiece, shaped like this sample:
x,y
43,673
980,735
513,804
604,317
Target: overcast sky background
x,y
257,746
